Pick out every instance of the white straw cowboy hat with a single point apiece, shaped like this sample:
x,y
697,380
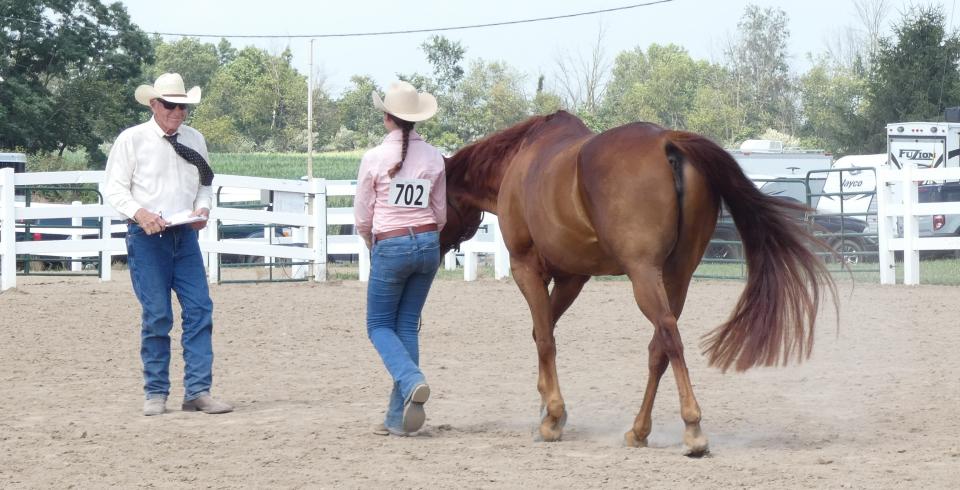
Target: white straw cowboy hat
x,y
403,101
169,87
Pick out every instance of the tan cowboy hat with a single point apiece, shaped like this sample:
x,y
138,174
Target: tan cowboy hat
x,y
169,87
403,101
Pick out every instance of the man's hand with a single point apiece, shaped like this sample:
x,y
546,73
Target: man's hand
x,y
150,222
199,225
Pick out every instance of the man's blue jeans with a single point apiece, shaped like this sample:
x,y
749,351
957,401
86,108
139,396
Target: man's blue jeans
x,y
401,272
158,264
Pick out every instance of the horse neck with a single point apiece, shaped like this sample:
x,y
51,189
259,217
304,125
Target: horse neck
x,y
479,168
483,198
482,190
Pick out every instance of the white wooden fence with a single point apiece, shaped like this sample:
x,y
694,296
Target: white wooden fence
x,y
901,206
488,240
309,220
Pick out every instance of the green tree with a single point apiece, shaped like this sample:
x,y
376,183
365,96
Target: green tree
x,y
714,111
545,102
832,108
226,52
489,98
326,117
915,74
69,68
195,61
358,117
446,57
261,97
657,86
758,62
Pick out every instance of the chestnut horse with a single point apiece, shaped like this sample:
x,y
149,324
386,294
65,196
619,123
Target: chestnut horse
x,y
643,201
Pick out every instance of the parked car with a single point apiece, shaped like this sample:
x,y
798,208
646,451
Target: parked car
x,y
46,229
845,234
940,225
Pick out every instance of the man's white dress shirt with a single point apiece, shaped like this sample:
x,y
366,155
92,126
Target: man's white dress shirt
x,y
144,171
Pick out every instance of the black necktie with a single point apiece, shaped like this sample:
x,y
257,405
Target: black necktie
x,y
190,155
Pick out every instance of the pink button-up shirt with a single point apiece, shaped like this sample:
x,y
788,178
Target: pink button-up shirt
x,y
372,211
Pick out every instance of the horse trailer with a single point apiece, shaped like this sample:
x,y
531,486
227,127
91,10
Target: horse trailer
x,y
769,158
923,144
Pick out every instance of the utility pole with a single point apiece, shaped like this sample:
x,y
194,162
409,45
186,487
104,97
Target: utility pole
x,y
317,234
310,116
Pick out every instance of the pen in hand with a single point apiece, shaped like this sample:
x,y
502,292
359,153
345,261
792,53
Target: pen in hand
x,y
160,214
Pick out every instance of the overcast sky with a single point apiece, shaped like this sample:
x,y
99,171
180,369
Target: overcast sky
x,y
703,27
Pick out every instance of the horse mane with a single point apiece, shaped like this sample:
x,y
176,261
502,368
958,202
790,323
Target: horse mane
x,y
474,165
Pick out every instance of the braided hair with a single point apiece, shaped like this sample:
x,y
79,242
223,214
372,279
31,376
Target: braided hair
x,y
406,127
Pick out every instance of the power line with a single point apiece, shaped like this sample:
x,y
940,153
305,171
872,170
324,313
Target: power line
x,y
416,31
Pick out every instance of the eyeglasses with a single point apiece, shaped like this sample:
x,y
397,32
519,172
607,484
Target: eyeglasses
x,y
172,105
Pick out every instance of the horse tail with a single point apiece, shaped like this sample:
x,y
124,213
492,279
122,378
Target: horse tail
x,y
776,313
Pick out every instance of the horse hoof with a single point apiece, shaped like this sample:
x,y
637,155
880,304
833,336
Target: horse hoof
x,y
695,445
696,452
631,440
549,434
551,431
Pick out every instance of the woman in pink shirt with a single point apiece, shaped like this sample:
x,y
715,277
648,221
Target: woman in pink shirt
x,y
399,209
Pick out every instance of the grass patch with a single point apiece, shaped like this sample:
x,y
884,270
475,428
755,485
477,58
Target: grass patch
x,y
331,165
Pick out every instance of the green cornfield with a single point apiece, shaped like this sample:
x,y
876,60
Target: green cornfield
x,y
331,166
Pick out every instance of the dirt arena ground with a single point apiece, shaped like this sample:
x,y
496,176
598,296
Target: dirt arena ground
x,y
876,406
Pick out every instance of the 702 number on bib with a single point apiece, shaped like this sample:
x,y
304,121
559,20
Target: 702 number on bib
x,y
409,193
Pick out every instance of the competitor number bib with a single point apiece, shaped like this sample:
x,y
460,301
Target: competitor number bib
x,y
409,193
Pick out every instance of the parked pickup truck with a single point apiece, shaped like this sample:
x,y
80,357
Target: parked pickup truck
x,y
940,225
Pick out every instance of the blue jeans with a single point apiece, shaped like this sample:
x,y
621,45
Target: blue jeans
x,y
158,264
401,272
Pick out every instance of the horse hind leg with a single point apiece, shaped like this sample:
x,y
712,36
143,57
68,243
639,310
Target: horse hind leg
x,y
666,346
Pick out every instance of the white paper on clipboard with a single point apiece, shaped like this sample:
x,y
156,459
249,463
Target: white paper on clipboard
x,y
182,218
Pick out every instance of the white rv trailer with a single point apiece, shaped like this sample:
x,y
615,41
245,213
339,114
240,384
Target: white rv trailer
x,y
770,158
850,188
855,177
923,144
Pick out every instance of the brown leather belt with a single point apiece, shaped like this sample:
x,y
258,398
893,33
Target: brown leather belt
x,y
410,230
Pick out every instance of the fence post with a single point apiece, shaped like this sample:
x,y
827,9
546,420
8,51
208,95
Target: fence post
x,y
213,233
319,190
501,258
911,229
470,265
8,231
886,224
106,232
76,234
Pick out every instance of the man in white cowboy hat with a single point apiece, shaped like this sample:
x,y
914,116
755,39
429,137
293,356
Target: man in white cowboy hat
x,y
158,170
